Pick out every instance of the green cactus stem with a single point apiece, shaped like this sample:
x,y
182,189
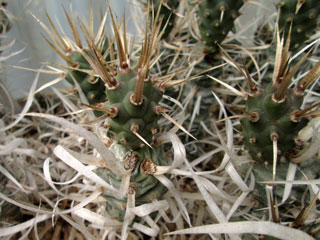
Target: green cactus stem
x,y
166,14
5,24
143,164
303,16
216,19
79,69
273,115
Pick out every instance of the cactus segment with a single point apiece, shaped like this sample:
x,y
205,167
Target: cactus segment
x,y
273,117
92,87
128,97
216,20
299,13
166,14
142,117
5,24
143,164
132,106
75,55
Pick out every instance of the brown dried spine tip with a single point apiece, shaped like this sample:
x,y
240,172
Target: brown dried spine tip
x,y
158,110
313,74
296,115
113,111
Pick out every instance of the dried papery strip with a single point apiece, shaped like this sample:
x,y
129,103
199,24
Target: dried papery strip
x,y
96,218
129,215
290,177
6,46
82,96
228,150
237,179
308,132
206,156
196,110
241,199
214,190
174,101
303,50
79,221
67,218
3,58
125,182
61,77
83,202
24,152
232,89
253,227
6,173
310,182
148,208
88,159
216,211
47,176
151,231
26,107
176,215
69,105
316,127
164,169
172,189
65,156
179,151
308,152
6,231
296,182
26,206
111,161
11,146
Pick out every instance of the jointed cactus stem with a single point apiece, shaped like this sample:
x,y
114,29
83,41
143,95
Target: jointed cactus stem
x,y
131,103
274,112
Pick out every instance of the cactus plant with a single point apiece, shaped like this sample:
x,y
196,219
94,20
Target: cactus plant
x,y
166,14
272,124
298,13
132,110
121,80
143,164
92,87
216,20
273,113
79,69
5,24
